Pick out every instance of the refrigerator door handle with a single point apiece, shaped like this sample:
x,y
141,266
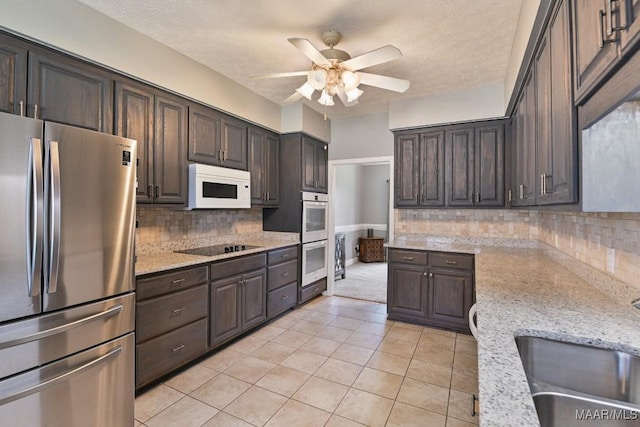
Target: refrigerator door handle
x,y
64,376
35,234
60,329
54,217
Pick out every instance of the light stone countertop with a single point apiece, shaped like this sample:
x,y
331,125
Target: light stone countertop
x,y
163,261
524,291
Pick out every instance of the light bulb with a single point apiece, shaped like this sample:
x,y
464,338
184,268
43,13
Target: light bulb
x,y
326,99
350,80
317,79
306,90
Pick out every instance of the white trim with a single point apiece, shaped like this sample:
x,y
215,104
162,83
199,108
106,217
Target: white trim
x,y
351,261
332,188
359,227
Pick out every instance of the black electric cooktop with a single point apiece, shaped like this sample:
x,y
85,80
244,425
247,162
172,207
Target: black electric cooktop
x,y
217,249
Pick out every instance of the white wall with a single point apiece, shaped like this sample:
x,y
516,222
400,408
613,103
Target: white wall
x,y
358,137
472,104
526,20
375,194
302,118
81,30
348,209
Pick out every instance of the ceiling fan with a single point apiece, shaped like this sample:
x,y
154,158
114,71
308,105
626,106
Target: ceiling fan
x,y
335,72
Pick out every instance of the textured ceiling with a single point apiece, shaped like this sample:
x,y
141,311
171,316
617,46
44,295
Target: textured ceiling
x,y
447,45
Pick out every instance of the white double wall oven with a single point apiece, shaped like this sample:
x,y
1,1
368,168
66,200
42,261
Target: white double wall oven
x,y
314,237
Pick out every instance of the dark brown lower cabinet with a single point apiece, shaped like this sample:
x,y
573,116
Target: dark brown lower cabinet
x,y
282,280
431,288
311,291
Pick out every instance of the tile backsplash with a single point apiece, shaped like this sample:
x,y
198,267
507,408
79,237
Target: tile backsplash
x,y
158,225
608,242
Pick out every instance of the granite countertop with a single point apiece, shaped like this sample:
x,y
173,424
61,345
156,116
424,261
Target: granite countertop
x,y
525,291
162,261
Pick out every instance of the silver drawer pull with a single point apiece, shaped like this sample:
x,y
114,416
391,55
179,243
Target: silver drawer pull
x,y
284,255
284,274
178,310
177,281
408,258
284,298
178,348
451,262
316,289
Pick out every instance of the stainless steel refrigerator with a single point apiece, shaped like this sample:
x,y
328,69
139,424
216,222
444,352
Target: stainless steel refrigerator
x,y
67,210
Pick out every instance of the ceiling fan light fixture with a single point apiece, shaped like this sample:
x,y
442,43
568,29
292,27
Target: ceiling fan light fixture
x,y
326,99
317,79
353,94
306,90
350,80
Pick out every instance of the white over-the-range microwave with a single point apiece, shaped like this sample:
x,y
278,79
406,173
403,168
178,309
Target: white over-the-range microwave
x,y
213,187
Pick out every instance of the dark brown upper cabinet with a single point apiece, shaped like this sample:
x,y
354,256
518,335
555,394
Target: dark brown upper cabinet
x,y
545,133
216,139
158,121
204,135
264,166
66,90
135,104
460,163
314,165
489,166
13,76
419,179
604,33
170,166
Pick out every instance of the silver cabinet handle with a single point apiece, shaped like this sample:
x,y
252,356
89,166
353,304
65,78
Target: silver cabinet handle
x,y
611,27
451,262
177,281
54,226
35,111
36,229
424,274
45,384
60,329
284,298
430,274
316,289
284,274
178,310
178,348
21,108
477,197
408,258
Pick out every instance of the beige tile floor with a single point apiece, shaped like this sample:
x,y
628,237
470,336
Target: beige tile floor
x,y
333,362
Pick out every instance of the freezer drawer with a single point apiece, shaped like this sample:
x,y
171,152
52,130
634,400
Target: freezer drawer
x,y
33,342
91,388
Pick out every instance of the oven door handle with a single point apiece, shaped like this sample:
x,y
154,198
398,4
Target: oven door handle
x,y
314,245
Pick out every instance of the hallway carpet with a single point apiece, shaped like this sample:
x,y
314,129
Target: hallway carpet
x,y
365,281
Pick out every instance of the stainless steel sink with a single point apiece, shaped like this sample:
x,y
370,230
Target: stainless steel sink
x,y
568,380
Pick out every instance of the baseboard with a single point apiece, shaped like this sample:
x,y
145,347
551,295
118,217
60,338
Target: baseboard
x,y
351,261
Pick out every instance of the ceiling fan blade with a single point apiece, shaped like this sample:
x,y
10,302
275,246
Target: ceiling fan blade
x,y
384,82
343,97
309,51
271,75
293,98
384,54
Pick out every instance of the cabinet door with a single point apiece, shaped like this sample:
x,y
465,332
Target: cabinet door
x,y
407,172
630,12
69,91
271,158
170,167
224,310
562,181
233,144
593,53
431,169
407,290
134,119
489,165
254,298
308,164
450,298
204,135
460,147
13,76
525,150
321,167
256,162
543,120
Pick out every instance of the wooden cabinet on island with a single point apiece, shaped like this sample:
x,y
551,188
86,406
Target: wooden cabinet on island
x,y
431,288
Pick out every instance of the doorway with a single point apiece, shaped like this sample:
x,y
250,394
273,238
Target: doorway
x,y
360,206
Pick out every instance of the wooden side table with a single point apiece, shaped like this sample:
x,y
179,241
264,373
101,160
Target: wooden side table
x,y
371,249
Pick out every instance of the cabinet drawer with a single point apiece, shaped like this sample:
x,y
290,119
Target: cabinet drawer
x,y
451,260
169,351
281,299
237,266
169,282
281,255
312,290
282,274
408,257
162,314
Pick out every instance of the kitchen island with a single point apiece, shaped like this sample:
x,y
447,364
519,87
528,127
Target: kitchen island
x,y
527,288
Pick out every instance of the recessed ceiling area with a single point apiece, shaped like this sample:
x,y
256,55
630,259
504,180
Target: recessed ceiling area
x,y
447,45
